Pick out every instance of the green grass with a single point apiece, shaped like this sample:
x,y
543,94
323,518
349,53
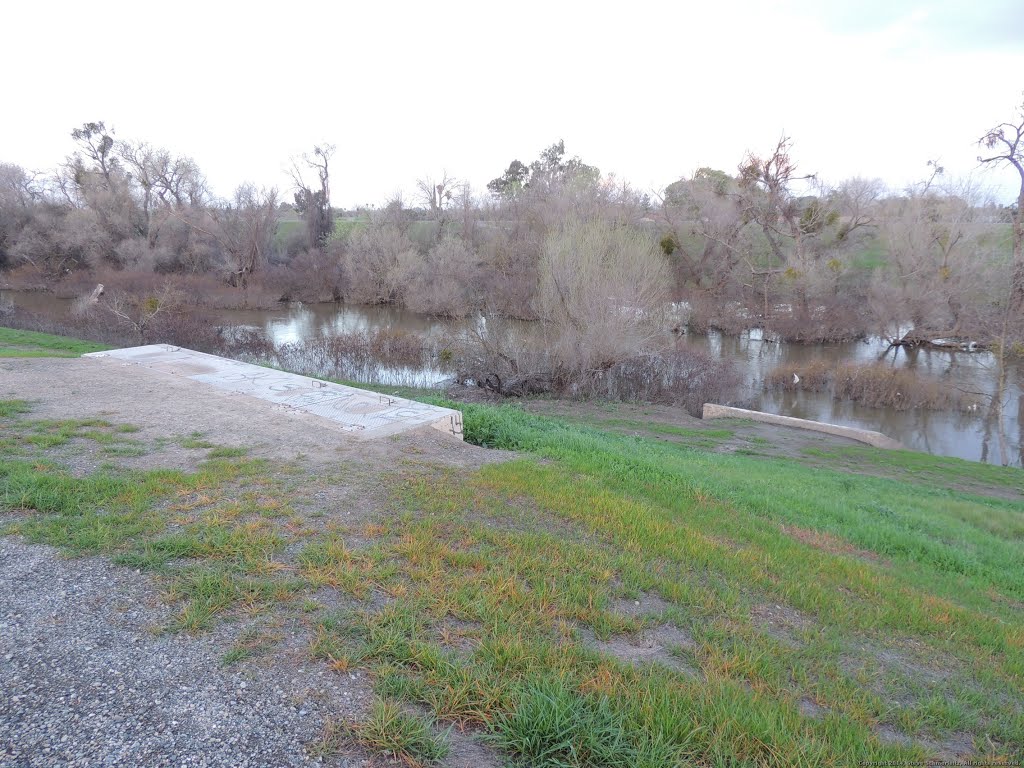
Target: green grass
x,y
406,737
10,408
226,452
901,603
881,590
922,467
14,343
342,228
872,257
223,516
551,724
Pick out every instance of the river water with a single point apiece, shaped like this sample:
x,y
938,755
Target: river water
x,y
966,435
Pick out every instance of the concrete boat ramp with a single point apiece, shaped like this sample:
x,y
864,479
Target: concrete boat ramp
x,y
335,406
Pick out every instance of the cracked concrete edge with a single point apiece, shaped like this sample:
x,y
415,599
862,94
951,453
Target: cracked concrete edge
x,y
876,439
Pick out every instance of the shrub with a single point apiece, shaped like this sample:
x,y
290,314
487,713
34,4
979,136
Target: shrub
x,y
602,293
515,360
371,263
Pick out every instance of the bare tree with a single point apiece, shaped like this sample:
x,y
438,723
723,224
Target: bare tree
x,y
437,197
856,200
97,143
703,224
767,198
162,181
19,193
938,261
378,257
247,231
243,230
1006,143
314,204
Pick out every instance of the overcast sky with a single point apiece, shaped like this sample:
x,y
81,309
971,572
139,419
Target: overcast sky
x,y
648,91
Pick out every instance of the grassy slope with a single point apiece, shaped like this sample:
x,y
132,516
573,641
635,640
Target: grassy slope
x,y
900,604
819,617
14,343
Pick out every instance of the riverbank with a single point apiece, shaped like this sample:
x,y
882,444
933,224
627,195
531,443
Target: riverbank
x,y
973,432
590,579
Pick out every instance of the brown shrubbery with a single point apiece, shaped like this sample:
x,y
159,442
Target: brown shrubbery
x,y
512,359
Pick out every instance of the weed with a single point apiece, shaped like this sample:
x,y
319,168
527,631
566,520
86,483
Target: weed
x,y
227,453
11,408
550,726
873,384
389,730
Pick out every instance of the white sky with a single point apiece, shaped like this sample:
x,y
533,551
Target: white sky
x,y
648,91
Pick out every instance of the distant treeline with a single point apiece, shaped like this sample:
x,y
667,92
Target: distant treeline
x,y
596,261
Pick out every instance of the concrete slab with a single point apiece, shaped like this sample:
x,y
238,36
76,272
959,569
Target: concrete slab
x,y
357,411
877,439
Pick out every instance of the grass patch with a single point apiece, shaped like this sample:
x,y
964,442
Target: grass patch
x,y
143,519
11,408
224,452
195,441
15,343
391,731
551,725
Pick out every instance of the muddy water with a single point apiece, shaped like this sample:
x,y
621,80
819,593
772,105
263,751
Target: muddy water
x,y
965,435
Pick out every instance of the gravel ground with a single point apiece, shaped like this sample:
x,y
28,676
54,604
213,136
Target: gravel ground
x,y
87,677
88,680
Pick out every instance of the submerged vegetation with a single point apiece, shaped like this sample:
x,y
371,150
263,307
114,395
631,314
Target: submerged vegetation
x,y
873,384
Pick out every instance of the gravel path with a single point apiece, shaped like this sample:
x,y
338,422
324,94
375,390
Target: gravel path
x,y
88,681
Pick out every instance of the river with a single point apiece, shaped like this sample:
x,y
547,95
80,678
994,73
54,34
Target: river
x,y
965,435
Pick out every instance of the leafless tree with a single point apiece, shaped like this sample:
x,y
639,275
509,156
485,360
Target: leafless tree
x,y
163,180
139,312
377,258
437,197
443,282
787,223
937,261
242,229
247,229
19,193
314,204
1005,144
703,224
856,200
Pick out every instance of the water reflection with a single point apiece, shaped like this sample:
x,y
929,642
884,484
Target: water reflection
x,y
966,435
